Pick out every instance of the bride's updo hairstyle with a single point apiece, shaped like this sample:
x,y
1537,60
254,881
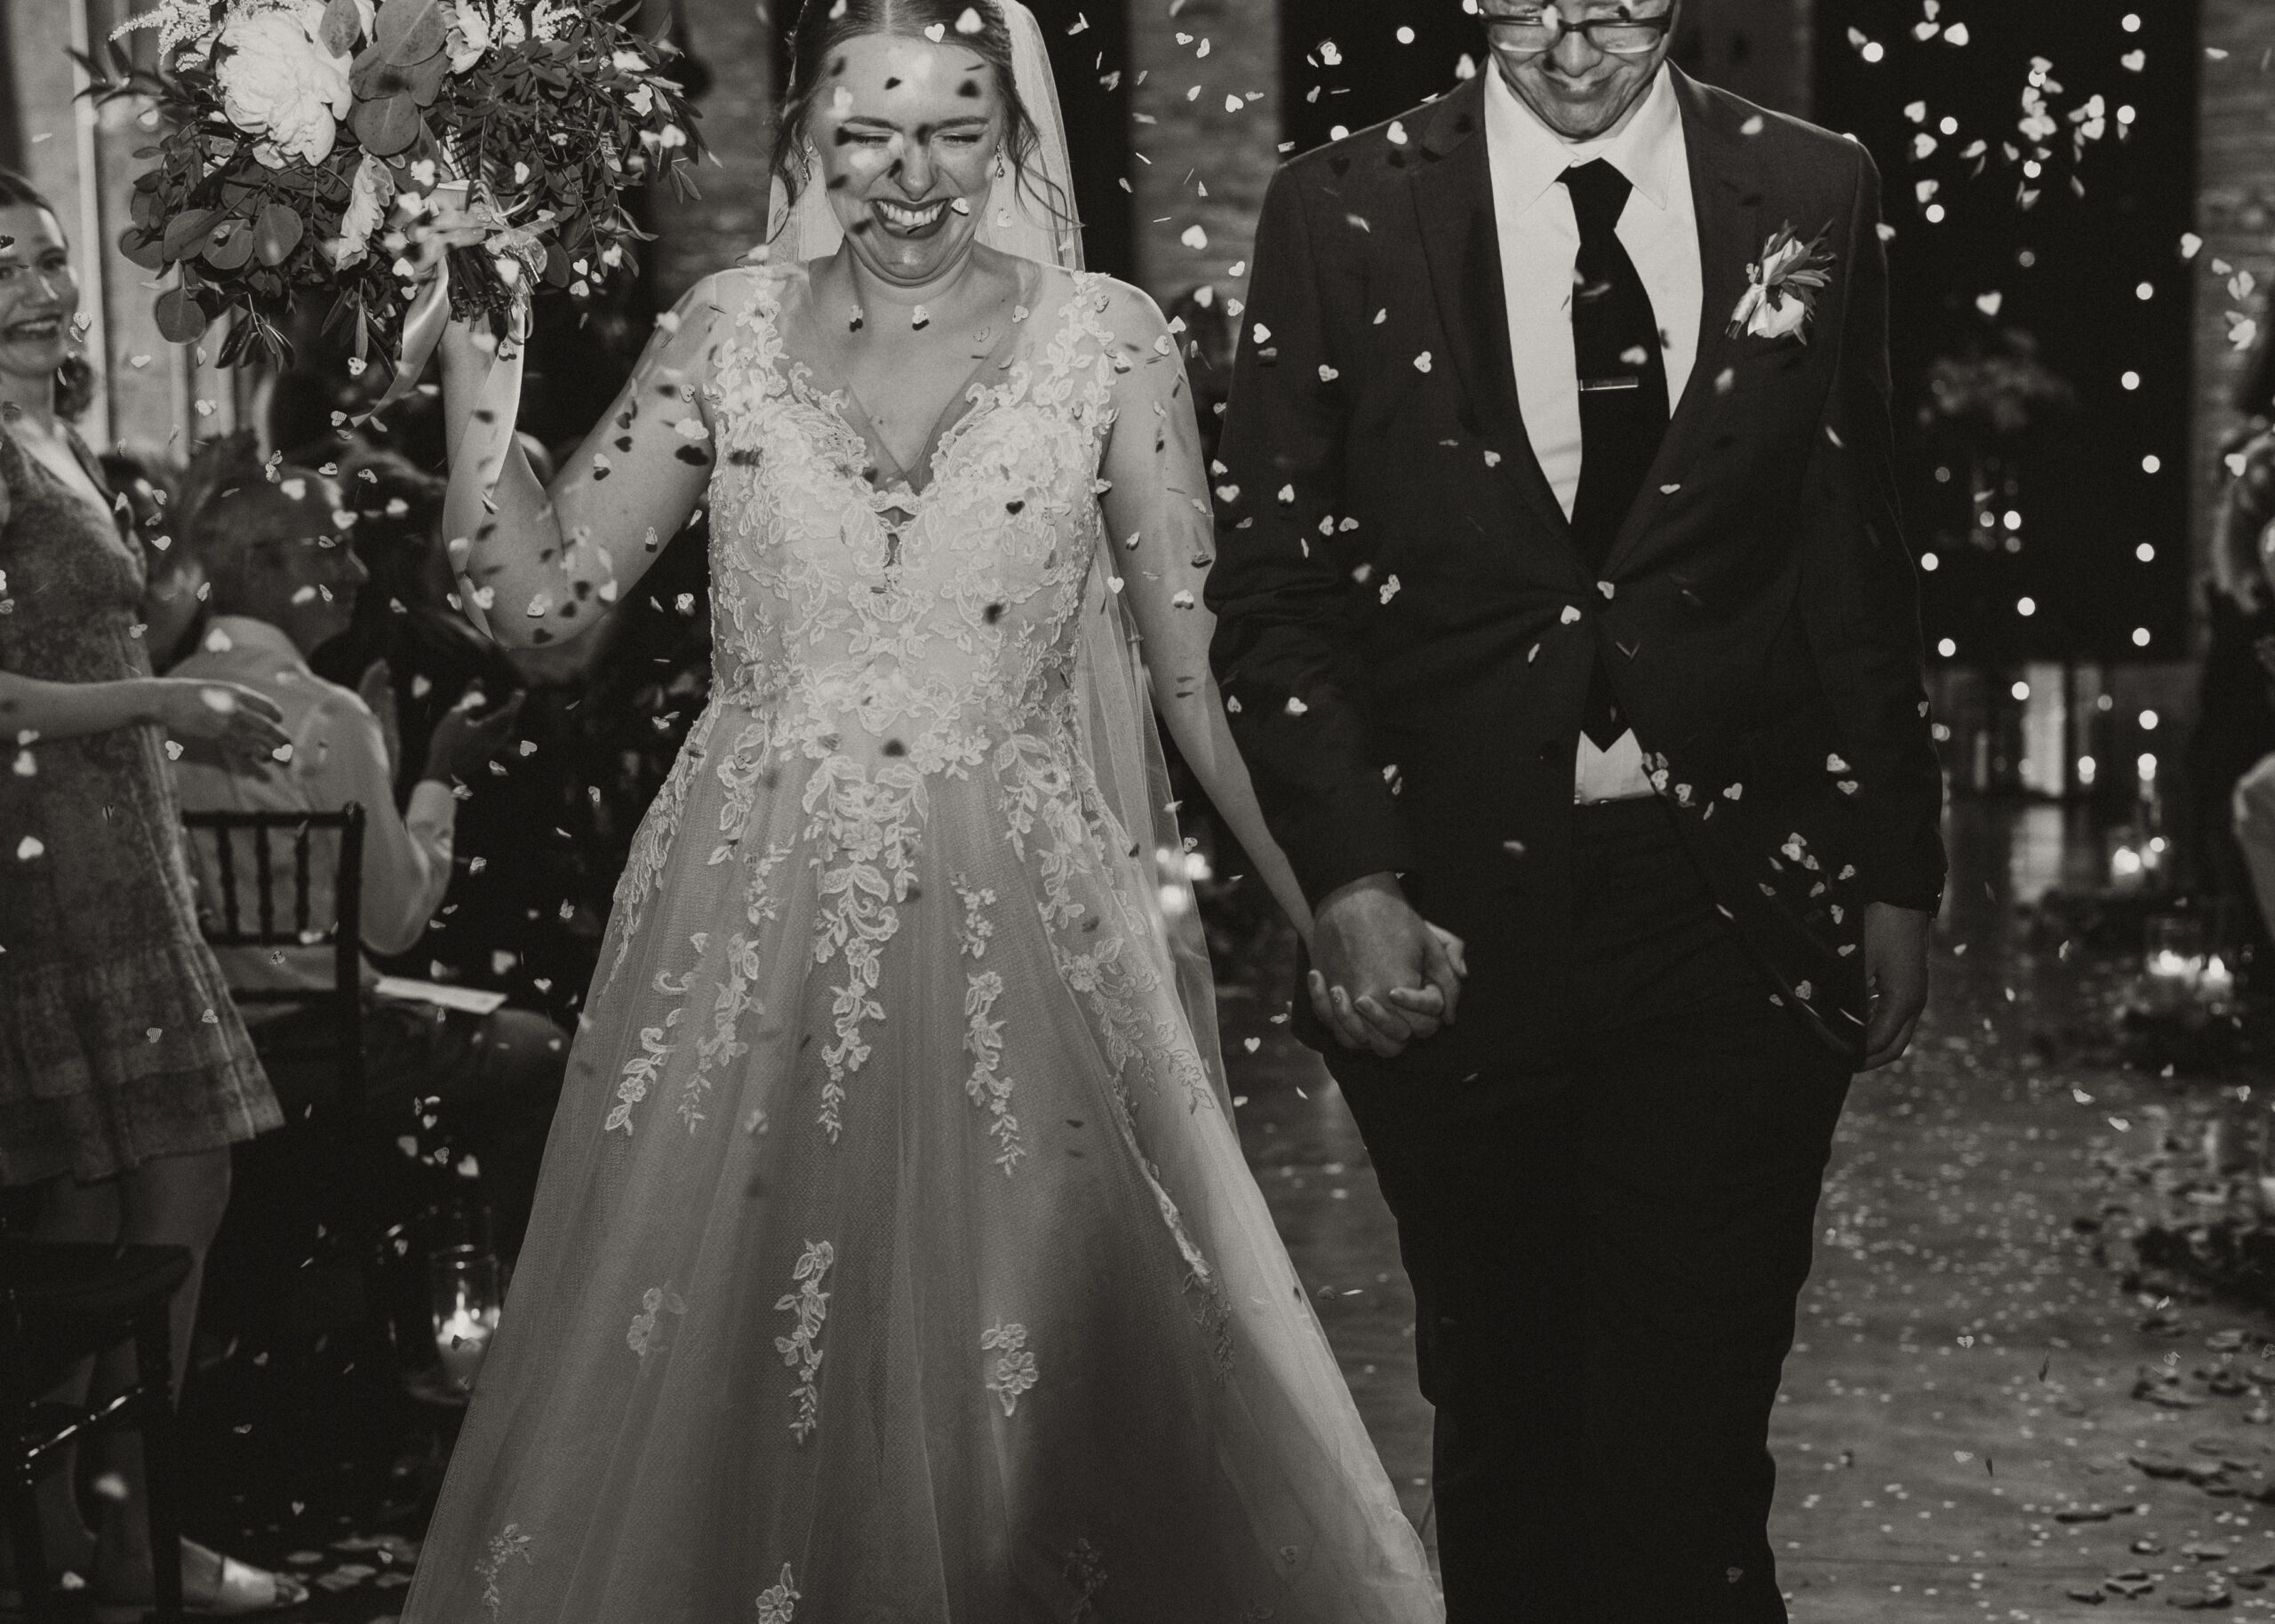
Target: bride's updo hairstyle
x,y
822,30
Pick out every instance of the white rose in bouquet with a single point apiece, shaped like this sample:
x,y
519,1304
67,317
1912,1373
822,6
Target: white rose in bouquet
x,y
277,80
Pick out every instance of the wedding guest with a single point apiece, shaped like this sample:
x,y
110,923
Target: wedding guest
x,y
403,619
2232,751
124,1074
285,581
172,604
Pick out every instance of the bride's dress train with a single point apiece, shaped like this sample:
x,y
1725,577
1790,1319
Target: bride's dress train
x,y
895,1257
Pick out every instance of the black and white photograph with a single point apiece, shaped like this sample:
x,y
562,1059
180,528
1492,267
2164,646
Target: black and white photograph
x,y
1136,811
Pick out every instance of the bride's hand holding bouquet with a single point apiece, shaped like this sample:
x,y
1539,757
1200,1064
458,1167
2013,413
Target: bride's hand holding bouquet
x,y
332,148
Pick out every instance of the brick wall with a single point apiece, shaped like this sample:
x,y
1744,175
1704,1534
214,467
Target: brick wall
x,y
2236,217
1199,163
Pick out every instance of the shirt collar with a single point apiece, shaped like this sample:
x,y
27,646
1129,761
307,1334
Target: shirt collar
x,y
1527,157
249,636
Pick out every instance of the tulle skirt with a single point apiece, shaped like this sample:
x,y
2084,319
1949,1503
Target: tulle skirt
x,y
895,1257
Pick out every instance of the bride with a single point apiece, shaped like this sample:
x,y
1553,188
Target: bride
x,y
894,1257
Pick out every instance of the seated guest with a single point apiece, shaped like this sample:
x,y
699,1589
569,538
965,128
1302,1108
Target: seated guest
x,y
428,658
171,606
284,580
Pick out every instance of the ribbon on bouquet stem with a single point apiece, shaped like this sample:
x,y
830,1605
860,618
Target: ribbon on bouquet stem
x,y
429,312
517,250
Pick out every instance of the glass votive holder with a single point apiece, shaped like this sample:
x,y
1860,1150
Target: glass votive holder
x,y
465,1301
2172,962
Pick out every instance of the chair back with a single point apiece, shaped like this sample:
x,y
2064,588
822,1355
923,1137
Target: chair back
x,y
227,924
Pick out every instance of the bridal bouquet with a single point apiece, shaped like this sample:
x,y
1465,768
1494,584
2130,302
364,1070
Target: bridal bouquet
x,y
306,140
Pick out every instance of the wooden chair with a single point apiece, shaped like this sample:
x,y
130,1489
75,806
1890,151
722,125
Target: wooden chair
x,y
61,1302
223,921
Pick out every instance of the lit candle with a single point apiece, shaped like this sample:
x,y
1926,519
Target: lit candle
x,y
2217,981
2170,965
463,1338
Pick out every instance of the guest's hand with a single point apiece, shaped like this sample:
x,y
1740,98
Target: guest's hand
x,y
240,720
376,690
1382,976
464,742
1896,979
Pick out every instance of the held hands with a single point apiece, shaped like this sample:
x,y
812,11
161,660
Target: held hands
x,y
1896,979
238,719
1382,975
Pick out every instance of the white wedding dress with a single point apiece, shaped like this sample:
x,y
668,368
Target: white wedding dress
x,y
894,1258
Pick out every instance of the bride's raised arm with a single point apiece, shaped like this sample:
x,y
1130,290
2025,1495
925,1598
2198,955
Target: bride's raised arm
x,y
548,564
1161,531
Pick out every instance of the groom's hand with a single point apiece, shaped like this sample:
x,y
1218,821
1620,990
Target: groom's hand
x,y
1382,976
1896,979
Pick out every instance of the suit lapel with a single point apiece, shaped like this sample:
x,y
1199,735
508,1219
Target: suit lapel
x,y
1726,196
1453,205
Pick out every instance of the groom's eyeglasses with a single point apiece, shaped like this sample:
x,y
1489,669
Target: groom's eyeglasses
x,y
1531,29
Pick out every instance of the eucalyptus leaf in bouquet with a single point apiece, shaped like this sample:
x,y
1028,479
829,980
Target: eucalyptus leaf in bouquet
x,y
302,143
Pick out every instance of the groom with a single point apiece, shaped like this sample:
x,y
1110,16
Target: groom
x,y
1562,602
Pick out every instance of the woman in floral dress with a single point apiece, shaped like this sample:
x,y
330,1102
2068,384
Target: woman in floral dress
x,y
124,1073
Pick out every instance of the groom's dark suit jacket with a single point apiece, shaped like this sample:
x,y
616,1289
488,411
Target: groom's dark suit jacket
x,y
1406,625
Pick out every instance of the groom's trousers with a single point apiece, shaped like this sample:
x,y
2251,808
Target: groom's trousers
x,y
1606,1260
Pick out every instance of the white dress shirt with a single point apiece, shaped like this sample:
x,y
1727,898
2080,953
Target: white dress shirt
x,y
339,755
1540,244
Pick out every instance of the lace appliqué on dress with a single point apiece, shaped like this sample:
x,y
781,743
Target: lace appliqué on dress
x,y
1084,1569
639,1073
653,844
734,1000
505,1545
983,1039
646,1335
871,826
778,1600
988,1087
799,1349
1014,1372
977,926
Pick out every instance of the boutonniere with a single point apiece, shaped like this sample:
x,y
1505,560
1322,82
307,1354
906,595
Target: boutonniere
x,y
1781,286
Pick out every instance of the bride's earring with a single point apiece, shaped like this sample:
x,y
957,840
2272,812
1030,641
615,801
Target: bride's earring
x,y
1001,168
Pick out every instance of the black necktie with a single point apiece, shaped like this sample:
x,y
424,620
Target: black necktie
x,y
1623,373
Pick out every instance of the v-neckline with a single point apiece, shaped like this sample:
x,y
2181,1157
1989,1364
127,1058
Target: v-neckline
x,y
836,402
103,502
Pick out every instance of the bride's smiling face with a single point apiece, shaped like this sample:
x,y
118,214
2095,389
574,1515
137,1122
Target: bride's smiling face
x,y
907,130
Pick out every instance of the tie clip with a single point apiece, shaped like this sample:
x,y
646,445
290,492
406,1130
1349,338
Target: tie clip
x,y
1598,385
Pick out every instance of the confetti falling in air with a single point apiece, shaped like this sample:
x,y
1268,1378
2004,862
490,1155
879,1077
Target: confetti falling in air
x,y
1929,1160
